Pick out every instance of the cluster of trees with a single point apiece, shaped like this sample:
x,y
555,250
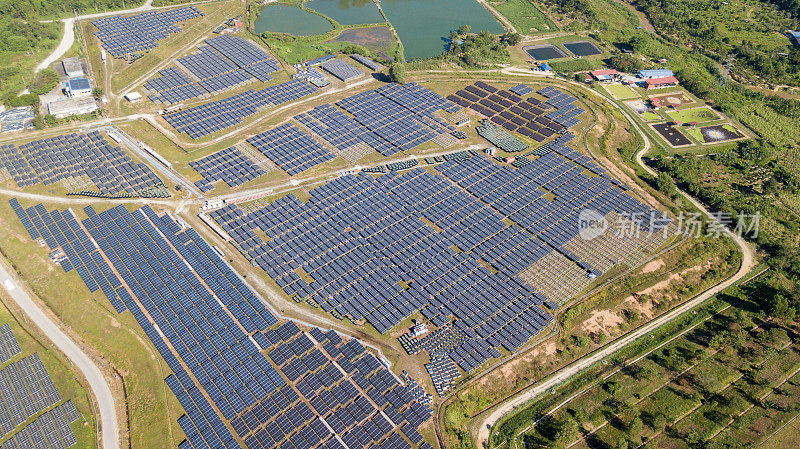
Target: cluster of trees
x,y
60,8
705,25
19,34
475,49
733,197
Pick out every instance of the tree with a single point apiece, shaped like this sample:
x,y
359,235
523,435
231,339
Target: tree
x,y
611,387
464,29
38,122
646,371
665,184
97,92
510,39
566,431
397,72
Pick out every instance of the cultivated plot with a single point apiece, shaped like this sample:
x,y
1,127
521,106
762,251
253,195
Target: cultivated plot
x,y
672,135
716,133
620,91
694,115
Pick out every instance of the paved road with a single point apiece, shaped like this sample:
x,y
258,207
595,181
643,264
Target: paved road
x,y
69,32
566,373
107,410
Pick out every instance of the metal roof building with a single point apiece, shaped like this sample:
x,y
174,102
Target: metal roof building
x,y
655,73
78,86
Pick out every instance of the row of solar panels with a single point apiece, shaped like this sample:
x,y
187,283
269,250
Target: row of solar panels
x,y
26,389
50,430
192,296
200,121
74,155
125,35
61,231
225,62
229,166
9,346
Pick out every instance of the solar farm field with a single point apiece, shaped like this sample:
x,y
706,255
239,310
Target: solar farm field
x,y
313,388
33,412
39,393
123,72
459,204
83,164
90,315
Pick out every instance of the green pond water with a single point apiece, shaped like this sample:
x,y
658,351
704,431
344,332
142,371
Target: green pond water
x,y
423,25
292,20
348,12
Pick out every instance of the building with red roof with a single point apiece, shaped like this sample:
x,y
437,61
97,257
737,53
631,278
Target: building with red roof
x,y
604,75
667,81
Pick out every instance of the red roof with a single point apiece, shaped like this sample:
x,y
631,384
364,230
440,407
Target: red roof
x,y
603,72
658,81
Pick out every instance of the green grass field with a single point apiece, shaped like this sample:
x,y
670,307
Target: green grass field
x,y
526,17
620,91
650,117
699,115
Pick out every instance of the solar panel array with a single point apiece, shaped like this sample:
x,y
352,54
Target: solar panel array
x,y
290,148
378,249
499,137
124,35
9,347
60,230
521,90
342,69
316,389
229,166
199,121
28,395
367,62
223,63
58,158
50,430
530,117
342,131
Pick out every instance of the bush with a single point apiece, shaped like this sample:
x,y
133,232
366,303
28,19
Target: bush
x,y
397,72
44,81
22,100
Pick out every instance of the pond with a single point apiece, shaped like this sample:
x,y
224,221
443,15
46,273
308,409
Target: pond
x,y
424,25
348,12
292,20
544,52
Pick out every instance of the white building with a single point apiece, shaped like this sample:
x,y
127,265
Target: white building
x,y
77,87
72,106
133,97
72,67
